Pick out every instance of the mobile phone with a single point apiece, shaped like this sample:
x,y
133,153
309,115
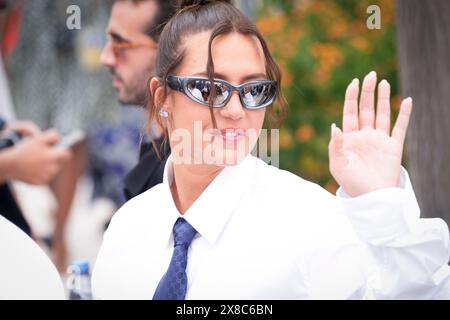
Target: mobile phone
x,y
8,139
71,139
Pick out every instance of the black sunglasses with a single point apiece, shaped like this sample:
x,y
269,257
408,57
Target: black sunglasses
x,y
254,94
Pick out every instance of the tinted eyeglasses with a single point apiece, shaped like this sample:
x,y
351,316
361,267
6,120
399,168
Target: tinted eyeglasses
x,y
254,94
119,47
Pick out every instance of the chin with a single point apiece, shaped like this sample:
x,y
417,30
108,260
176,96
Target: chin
x,y
125,102
128,99
226,157
226,154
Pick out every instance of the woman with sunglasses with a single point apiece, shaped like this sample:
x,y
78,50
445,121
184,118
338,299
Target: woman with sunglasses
x,y
226,225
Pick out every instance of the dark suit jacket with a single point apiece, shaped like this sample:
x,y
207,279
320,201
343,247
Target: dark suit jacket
x,y
148,172
10,210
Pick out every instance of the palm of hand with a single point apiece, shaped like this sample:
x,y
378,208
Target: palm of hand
x,y
366,157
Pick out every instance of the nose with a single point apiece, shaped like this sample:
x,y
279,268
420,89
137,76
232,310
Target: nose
x,y
107,57
233,109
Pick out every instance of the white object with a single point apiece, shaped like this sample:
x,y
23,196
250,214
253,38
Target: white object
x,y
38,204
6,104
79,281
264,233
71,139
86,222
25,270
197,93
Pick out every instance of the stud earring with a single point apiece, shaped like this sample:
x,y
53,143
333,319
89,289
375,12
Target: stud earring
x,y
163,113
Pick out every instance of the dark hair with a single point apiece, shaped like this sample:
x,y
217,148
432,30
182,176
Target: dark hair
x,y
166,10
220,17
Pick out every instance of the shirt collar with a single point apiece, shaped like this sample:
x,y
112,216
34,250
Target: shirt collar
x,y
211,211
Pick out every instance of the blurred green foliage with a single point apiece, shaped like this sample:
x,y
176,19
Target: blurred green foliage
x,y
321,46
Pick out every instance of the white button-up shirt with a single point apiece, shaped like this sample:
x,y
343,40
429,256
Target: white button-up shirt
x,y
265,233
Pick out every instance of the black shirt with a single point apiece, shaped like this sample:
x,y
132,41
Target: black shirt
x,y
10,210
149,170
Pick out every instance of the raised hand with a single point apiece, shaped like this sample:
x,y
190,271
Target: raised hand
x,y
366,155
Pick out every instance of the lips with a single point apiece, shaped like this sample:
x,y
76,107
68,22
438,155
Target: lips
x,y
116,82
232,134
116,79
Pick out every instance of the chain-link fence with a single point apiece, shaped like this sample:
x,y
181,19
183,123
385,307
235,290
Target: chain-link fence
x,y
56,77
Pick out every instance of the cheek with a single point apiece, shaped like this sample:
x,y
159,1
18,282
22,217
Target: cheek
x,y
151,58
256,118
186,112
134,65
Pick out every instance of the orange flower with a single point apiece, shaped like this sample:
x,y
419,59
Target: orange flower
x,y
361,44
273,24
328,56
326,51
317,7
304,133
337,30
358,27
264,25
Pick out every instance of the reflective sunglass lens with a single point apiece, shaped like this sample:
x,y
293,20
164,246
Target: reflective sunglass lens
x,y
201,91
253,95
256,95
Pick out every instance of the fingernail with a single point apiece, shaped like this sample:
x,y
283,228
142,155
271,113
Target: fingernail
x,y
371,74
333,129
409,99
355,80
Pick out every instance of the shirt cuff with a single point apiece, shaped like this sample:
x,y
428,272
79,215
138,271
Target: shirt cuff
x,y
381,216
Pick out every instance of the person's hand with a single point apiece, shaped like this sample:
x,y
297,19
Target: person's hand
x,y
366,156
25,128
36,161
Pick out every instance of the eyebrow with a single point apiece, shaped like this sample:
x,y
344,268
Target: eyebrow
x,y
252,76
117,36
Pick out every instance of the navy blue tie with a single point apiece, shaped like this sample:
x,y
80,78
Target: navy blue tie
x,y
173,284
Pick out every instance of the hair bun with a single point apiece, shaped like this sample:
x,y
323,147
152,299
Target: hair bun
x,y
194,3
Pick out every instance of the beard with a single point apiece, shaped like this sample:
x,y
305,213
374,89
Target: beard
x,y
132,96
134,91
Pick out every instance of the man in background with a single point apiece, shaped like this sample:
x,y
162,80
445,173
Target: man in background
x,y
130,54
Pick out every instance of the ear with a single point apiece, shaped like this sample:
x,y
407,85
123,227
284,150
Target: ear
x,y
157,90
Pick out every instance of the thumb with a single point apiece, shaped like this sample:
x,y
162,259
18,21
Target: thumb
x,y
50,137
